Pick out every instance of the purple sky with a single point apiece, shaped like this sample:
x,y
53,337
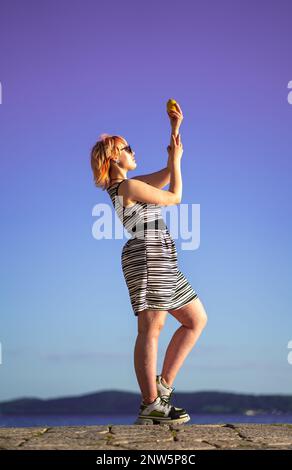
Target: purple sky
x,y
72,70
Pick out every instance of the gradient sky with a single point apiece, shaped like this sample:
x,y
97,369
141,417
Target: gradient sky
x,y
71,70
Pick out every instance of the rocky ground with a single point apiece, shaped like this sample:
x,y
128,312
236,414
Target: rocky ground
x,y
149,437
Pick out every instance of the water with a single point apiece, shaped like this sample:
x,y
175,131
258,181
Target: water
x,y
87,420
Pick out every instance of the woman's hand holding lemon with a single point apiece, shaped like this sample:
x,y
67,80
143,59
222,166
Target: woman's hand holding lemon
x,y
175,115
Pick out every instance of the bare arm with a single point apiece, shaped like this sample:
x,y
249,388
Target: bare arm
x,y
136,190
176,178
158,179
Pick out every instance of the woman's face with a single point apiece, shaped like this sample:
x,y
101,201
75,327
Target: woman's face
x,y
127,159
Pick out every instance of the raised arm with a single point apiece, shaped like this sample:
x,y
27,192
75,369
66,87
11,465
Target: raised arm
x,y
159,179
135,190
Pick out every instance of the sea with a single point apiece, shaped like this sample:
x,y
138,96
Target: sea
x,y
106,420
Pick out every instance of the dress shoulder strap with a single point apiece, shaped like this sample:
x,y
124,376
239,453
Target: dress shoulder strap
x,y
118,185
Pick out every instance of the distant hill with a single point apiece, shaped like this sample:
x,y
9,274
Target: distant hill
x,y
112,402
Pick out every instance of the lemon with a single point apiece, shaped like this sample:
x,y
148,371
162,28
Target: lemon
x,y
171,105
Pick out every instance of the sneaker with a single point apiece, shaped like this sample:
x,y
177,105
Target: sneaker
x,y
165,391
161,412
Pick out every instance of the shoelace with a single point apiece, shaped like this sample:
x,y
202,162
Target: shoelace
x,y
167,398
164,402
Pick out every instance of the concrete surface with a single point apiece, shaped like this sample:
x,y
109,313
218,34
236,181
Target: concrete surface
x,y
149,437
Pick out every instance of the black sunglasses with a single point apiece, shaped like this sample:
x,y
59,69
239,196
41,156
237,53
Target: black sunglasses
x,y
128,149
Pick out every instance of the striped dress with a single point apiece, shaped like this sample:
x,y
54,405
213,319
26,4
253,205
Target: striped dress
x,y
149,258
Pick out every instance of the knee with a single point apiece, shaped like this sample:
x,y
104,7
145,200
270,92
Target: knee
x,y
203,320
199,321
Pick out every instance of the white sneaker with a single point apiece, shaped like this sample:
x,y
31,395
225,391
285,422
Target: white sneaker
x,y
165,391
161,412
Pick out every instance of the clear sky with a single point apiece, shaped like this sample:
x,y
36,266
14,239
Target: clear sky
x,y
71,70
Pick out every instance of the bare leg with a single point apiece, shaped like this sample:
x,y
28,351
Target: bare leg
x,y
150,323
193,318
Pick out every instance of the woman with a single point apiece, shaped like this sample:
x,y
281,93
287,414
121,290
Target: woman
x,y
155,284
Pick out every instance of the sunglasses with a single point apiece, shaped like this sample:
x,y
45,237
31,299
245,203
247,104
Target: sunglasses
x,y
128,149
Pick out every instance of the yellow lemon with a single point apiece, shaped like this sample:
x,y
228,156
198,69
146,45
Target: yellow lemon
x,y
171,105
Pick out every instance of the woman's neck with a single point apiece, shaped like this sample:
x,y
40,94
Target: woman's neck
x,y
117,179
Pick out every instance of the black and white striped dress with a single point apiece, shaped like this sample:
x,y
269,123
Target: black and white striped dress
x,y
149,258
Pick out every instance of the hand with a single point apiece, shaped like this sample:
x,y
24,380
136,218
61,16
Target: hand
x,y
175,150
176,118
